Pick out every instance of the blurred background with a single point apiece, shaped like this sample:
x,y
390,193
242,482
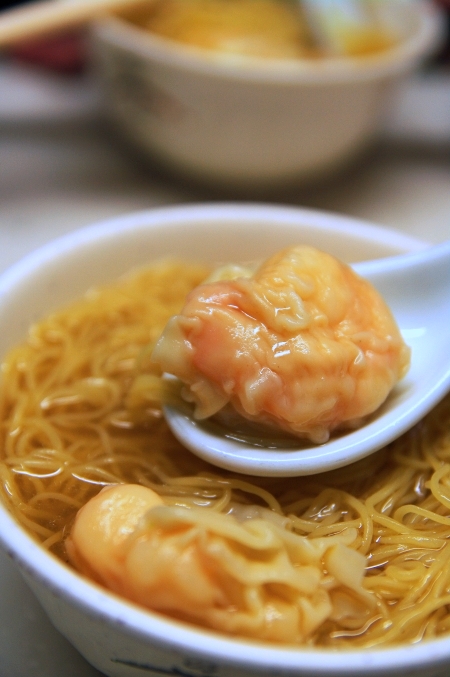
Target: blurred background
x,y
63,166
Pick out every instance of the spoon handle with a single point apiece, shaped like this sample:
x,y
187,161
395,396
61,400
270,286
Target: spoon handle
x,y
415,285
350,27
44,17
436,255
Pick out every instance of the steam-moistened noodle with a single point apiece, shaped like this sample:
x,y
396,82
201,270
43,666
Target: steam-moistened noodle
x,y
304,344
279,560
275,29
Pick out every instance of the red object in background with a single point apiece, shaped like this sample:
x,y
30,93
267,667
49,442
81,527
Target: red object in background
x,y
64,53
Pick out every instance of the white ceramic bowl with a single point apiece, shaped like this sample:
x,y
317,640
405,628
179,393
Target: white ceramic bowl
x,y
252,123
115,636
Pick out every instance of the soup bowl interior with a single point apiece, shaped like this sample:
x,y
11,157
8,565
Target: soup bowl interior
x,y
115,636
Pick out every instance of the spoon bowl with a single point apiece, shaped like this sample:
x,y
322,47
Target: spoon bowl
x,y
417,289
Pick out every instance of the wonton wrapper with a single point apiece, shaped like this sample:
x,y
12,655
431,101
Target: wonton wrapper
x,y
249,577
304,345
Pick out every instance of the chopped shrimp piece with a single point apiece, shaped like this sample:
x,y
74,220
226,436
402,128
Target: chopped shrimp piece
x,y
252,578
304,345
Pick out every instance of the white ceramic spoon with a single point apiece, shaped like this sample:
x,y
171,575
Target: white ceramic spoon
x,y
334,22
417,289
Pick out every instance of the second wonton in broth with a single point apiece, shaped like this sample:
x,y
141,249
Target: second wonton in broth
x,y
303,344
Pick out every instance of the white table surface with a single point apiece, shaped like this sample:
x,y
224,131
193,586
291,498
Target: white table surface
x,y
60,169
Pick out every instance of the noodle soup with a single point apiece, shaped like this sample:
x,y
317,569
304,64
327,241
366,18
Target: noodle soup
x,y
75,419
120,637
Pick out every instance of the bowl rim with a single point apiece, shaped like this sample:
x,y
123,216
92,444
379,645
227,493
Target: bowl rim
x,y
39,565
237,212
147,46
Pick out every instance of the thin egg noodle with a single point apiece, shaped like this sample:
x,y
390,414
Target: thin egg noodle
x,y
80,405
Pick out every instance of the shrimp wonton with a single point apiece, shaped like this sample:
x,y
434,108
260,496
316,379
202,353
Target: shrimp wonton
x,y
303,344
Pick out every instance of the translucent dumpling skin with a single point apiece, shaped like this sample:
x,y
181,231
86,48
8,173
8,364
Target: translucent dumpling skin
x,y
304,344
248,577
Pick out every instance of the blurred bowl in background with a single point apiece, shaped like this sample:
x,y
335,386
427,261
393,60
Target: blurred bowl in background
x,y
251,122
